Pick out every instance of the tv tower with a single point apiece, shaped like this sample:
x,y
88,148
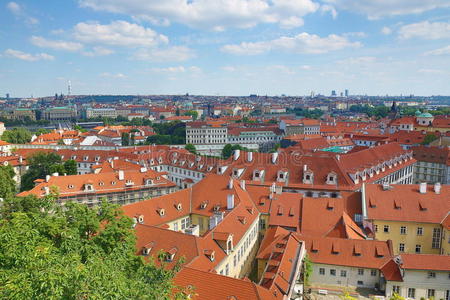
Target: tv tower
x,y
69,88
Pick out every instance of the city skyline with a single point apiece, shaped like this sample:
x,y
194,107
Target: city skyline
x,y
225,47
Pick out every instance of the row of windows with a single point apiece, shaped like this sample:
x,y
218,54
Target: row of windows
x,y
343,273
412,292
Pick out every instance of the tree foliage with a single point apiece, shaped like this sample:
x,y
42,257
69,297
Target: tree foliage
x,y
42,164
311,114
169,133
396,296
429,137
17,136
192,113
377,111
7,183
73,253
190,148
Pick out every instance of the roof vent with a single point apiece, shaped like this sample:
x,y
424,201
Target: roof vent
x,y
437,188
230,201
423,188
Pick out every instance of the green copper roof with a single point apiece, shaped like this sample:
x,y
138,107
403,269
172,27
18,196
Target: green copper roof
x,y
425,115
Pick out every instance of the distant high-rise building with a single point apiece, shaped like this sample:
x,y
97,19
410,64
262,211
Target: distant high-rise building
x,y
333,93
341,94
69,88
7,96
346,93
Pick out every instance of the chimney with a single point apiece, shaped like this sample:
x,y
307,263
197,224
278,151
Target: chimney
x,y
437,187
236,154
338,157
423,188
55,174
47,178
230,184
250,156
305,168
230,201
274,157
121,175
20,159
243,184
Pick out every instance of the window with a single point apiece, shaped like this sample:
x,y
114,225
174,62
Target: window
x,y
401,247
386,228
234,260
396,289
419,230
322,271
373,272
431,275
360,282
227,270
332,272
343,273
436,242
175,226
418,248
403,230
430,293
360,272
375,228
411,293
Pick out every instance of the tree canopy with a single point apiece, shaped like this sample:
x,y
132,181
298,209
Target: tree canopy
x,y
17,136
42,164
228,149
190,148
7,183
73,253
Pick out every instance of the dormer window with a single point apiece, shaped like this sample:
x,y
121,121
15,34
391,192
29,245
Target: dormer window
x,y
74,157
203,205
178,206
113,183
70,186
161,212
308,177
149,182
101,183
97,158
170,255
256,174
140,219
85,158
332,178
146,251
88,187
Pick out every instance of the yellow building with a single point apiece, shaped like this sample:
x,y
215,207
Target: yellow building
x,y
409,215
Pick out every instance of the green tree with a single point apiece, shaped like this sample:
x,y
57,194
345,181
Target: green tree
x,y
39,165
192,113
79,128
75,253
429,137
70,166
41,131
190,148
7,183
227,151
307,270
17,136
125,139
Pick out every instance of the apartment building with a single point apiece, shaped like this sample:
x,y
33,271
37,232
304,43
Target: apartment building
x,y
422,276
59,114
101,113
208,138
433,164
301,126
412,216
119,187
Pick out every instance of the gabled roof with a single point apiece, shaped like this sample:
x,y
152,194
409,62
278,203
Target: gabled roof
x,y
432,262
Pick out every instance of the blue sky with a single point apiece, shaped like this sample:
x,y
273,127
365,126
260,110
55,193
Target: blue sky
x,y
226,47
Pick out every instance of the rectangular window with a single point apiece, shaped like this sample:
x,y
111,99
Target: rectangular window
x,y
360,282
360,272
234,260
375,228
322,271
430,293
411,293
436,242
403,230
175,226
332,272
419,230
373,272
418,248
396,289
343,273
431,275
386,228
401,247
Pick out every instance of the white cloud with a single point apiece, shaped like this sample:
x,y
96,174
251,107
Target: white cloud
x,y
301,43
112,75
432,71
56,45
358,34
20,13
118,33
98,51
384,8
14,8
425,30
229,68
329,9
210,14
176,53
27,56
386,30
361,60
177,69
305,67
281,69
440,51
